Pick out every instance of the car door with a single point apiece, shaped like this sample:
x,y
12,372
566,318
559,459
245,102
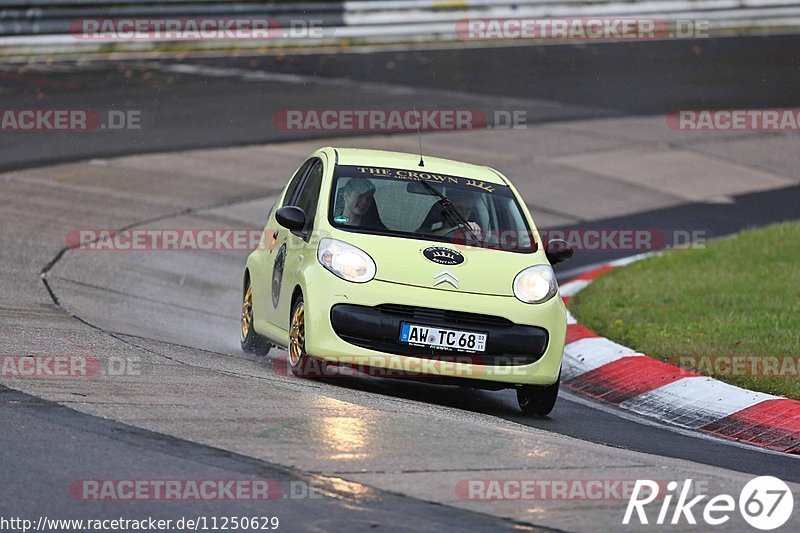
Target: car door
x,y
272,254
294,246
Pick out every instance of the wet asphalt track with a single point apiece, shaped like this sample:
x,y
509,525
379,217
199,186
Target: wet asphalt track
x,y
81,279
53,446
205,101
206,108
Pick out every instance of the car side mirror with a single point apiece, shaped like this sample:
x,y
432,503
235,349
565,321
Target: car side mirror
x,y
291,217
558,251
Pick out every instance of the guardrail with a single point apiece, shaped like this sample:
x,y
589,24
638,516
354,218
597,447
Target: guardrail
x,y
47,22
36,17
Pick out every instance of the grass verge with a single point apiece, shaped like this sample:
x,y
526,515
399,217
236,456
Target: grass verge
x,y
730,310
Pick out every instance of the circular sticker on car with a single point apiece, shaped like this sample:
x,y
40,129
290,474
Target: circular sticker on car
x,y
443,256
277,275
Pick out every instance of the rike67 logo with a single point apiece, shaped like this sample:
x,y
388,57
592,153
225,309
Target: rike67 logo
x,y
766,503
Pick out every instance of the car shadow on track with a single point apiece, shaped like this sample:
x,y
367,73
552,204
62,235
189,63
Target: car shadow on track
x,y
501,403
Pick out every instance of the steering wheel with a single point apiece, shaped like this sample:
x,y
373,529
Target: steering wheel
x,y
460,230
453,232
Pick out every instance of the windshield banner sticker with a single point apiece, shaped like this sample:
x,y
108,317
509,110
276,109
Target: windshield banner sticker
x,y
418,175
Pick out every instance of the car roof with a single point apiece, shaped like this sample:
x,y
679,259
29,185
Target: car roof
x,y
406,161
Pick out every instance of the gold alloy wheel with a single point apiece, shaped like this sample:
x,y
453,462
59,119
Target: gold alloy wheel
x,y
297,335
247,312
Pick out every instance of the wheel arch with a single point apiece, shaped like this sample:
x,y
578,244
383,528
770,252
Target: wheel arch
x,y
245,279
297,291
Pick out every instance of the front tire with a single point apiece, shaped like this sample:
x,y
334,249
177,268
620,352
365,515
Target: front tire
x,y
538,400
302,364
251,341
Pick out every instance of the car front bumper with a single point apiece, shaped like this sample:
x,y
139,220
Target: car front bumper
x,y
367,334
376,328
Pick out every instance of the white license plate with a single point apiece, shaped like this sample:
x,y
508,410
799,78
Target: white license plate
x,y
467,341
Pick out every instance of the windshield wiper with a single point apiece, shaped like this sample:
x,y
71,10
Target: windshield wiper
x,y
451,209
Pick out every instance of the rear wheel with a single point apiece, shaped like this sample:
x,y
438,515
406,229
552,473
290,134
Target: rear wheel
x,y
535,400
250,340
302,364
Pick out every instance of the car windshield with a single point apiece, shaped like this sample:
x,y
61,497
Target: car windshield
x,y
431,206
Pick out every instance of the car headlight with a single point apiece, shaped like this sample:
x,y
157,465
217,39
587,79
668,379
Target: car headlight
x,y
345,260
535,284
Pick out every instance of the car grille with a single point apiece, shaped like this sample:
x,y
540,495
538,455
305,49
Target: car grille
x,y
378,328
456,317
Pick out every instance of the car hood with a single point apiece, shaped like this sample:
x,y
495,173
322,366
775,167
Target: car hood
x,y
435,265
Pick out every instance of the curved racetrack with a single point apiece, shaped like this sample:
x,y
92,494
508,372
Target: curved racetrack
x,y
382,452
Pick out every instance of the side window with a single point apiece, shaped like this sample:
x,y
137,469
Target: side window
x,y
295,182
308,198
272,209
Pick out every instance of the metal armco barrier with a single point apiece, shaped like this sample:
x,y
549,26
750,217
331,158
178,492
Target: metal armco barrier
x,y
384,20
40,17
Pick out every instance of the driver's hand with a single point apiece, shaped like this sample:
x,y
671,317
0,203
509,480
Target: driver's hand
x,y
470,229
475,228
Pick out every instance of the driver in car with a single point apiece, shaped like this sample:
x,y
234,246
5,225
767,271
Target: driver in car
x,y
359,208
440,221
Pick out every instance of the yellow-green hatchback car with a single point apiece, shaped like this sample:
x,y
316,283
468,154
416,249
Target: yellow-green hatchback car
x,y
400,265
